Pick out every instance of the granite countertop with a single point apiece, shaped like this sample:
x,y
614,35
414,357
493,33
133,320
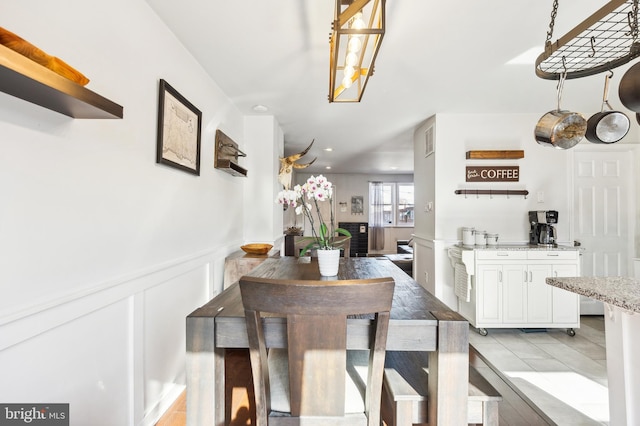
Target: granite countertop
x,y
519,247
622,292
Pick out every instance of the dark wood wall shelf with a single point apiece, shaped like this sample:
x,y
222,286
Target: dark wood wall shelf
x,y
495,155
25,79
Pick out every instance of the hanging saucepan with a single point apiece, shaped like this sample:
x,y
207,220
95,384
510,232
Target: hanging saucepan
x,y
607,126
629,89
559,128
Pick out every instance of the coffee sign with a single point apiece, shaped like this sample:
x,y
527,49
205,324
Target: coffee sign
x,y
493,174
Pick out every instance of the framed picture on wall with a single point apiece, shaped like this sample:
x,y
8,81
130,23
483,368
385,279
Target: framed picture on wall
x,y
179,127
357,204
428,141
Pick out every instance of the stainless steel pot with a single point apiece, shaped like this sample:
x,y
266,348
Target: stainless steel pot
x,y
560,129
607,126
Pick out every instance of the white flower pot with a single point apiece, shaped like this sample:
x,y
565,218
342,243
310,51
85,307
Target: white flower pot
x,y
328,261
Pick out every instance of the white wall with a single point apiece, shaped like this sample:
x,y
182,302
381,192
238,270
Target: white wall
x,y
541,170
263,217
425,181
437,177
103,252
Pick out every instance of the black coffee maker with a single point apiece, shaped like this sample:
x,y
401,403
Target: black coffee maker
x,y
543,233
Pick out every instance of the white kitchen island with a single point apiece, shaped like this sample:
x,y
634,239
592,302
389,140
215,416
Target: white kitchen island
x,y
504,286
621,297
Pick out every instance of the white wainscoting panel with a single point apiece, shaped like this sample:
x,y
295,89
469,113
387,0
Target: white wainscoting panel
x,y
84,362
433,268
166,307
115,351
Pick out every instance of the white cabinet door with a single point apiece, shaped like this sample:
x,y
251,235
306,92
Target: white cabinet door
x,y
489,291
566,305
514,292
539,294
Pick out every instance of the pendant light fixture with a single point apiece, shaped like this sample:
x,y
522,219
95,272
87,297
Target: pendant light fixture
x,y
358,28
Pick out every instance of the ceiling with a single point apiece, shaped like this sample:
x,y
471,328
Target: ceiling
x,y
436,57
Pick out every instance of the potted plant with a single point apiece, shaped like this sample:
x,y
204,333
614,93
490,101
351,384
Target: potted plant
x,y
306,198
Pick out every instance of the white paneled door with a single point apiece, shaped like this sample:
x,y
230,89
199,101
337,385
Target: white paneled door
x,y
602,199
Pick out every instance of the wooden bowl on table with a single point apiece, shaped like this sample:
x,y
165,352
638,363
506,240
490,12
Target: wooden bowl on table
x,y
256,248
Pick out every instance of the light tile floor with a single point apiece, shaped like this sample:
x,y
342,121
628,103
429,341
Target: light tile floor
x,y
564,376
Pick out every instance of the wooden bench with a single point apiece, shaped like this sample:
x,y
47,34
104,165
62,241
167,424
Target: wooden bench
x,y
404,392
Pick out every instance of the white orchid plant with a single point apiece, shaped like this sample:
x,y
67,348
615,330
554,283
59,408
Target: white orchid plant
x,y
304,199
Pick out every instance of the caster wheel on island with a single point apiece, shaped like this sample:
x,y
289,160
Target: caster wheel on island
x,y
571,332
483,331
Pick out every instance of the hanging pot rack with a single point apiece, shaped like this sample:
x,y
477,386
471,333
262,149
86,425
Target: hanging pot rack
x,y
605,40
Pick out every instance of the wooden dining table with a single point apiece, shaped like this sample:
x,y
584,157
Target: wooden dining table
x,y
419,322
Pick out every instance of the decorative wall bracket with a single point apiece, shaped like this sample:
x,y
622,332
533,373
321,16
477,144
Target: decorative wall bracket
x,y
226,155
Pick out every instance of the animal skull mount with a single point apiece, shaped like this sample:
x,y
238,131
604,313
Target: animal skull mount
x,y
287,164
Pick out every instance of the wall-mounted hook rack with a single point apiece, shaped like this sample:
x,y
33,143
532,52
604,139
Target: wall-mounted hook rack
x,y
492,192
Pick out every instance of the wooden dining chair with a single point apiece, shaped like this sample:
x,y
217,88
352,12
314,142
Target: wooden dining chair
x,y
313,381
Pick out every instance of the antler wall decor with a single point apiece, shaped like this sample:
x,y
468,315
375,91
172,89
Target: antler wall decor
x,y
287,164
